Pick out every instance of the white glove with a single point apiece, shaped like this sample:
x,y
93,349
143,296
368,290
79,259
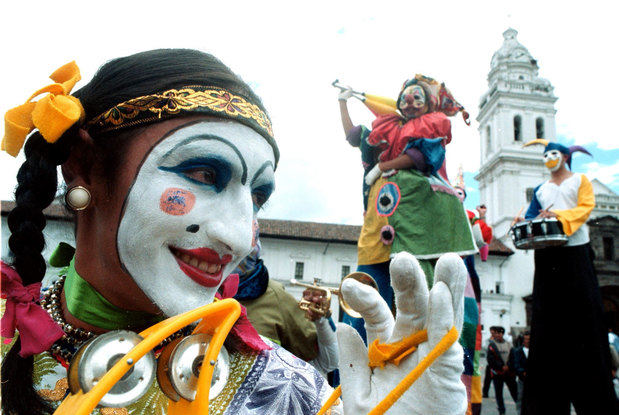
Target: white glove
x,y
327,358
439,390
345,94
373,175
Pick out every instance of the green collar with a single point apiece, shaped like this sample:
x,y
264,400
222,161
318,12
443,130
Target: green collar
x,y
87,305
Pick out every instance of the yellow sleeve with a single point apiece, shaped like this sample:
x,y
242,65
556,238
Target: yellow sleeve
x,y
572,219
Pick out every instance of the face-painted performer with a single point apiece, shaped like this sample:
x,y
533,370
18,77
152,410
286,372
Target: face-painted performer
x,y
168,156
566,298
275,314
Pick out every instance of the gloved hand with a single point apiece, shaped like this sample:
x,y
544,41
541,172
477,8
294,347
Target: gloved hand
x,y
345,94
373,175
439,390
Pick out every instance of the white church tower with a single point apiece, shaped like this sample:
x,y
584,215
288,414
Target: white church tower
x,y
518,107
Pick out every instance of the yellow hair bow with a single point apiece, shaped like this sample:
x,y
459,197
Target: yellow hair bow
x,y
52,115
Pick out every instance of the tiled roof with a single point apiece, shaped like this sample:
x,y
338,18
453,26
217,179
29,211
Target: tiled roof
x,y
499,248
311,231
279,229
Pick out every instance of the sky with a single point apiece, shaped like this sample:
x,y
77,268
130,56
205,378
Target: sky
x,y
290,52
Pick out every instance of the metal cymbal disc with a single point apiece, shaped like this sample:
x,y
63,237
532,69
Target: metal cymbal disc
x,y
102,353
185,363
74,385
163,371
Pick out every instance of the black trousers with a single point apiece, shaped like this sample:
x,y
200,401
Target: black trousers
x,y
487,381
569,358
498,382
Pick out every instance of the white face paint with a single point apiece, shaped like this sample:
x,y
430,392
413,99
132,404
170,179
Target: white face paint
x,y
553,160
188,218
413,101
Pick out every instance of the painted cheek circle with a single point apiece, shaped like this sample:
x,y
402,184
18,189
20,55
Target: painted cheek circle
x,y
175,201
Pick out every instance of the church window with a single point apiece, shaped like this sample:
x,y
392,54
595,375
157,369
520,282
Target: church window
x,y
529,194
488,140
539,128
345,270
517,128
298,270
609,248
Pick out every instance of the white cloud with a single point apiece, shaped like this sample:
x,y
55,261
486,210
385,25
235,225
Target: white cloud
x,y
607,174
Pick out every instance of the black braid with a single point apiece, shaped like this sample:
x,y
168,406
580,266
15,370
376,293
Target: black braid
x,y
18,395
36,187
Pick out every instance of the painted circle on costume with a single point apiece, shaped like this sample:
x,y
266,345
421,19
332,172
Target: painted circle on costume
x,y
388,199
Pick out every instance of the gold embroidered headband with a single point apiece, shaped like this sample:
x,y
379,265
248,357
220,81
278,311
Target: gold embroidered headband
x,y
190,99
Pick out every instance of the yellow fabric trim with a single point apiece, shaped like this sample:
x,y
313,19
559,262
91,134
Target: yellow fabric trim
x,y
450,338
572,219
370,249
381,353
337,392
476,396
53,114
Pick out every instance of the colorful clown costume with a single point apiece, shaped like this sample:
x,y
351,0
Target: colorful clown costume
x,y
567,303
406,212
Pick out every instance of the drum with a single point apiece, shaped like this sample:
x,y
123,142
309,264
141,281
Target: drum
x,y
538,233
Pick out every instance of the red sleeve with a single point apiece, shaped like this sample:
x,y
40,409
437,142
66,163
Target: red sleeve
x,y
486,231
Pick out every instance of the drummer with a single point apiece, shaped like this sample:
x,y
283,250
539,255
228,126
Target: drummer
x,y
566,299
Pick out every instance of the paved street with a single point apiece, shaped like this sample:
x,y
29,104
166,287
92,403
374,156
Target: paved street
x,y
488,406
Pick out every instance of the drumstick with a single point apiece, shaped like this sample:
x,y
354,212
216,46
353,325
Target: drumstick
x,y
516,217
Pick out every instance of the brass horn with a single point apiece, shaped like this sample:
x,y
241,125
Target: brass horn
x,y
305,305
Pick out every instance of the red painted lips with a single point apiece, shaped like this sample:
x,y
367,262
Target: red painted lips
x,y
203,265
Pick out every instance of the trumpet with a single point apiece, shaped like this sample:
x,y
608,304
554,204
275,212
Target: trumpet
x,y
323,309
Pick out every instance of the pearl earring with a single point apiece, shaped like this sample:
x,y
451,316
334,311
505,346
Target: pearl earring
x,y
77,198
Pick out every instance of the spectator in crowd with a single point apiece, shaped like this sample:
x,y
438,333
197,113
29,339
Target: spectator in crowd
x,y
498,356
488,374
518,364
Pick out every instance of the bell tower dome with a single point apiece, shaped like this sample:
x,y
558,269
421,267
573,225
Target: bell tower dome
x,y
518,107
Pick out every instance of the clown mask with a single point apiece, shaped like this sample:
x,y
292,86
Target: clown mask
x,y
413,102
189,217
553,159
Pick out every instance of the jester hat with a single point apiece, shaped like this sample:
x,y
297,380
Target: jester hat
x,y
568,151
439,98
